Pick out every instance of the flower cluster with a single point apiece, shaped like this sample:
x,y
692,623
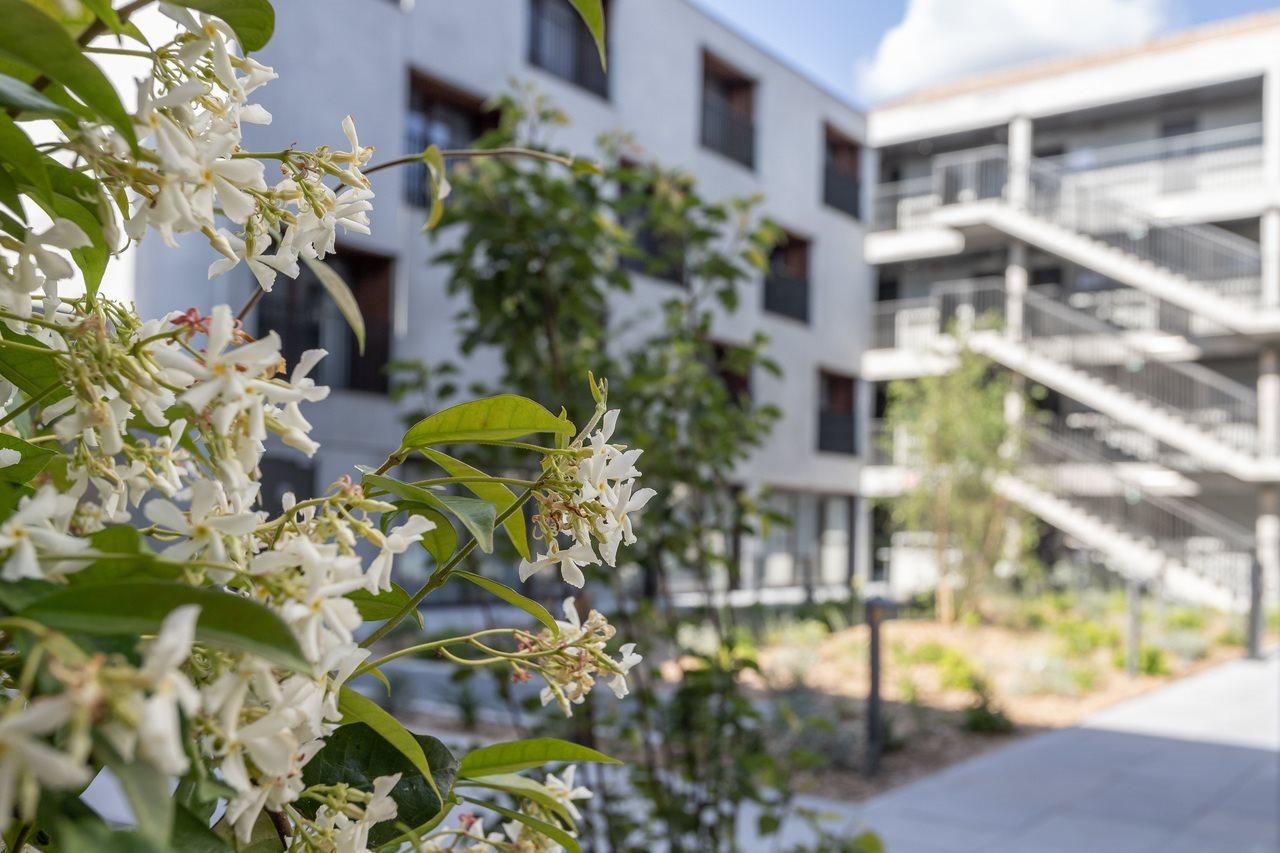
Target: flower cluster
x,y
516,837
209,410
596,506
133,449
191,108
572,659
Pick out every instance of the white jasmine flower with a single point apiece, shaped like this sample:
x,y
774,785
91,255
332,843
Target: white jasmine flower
x,y
397,541
628,659
569,560
169,689
565,792
26,757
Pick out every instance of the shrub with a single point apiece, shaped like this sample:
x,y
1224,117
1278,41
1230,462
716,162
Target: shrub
x,y
1185,619
1151,660
983,717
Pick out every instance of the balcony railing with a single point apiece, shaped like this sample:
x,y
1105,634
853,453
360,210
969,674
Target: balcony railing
x,y
727,130
787,295
841,191
837,432
920,323
904,204
1223,158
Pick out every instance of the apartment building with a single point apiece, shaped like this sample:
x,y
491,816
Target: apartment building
x,y
1119,215
694,95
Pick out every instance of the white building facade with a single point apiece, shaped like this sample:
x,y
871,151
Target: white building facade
x,y
1120,216
695,96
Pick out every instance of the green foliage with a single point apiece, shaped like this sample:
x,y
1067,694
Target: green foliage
x,y
132,608
1151,660
538,257
1082,637
952,431
514,756
983,717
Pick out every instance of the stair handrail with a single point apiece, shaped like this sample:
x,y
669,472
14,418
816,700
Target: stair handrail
x,y
1214,524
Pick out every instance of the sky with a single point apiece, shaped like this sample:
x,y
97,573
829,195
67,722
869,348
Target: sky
x,y
874,50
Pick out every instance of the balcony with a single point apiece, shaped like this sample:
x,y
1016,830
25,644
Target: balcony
x,y
837,432
1157,176
787,295
841,191
727,130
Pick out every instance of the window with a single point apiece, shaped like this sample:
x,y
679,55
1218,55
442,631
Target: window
x,y
660,251
442,116
728,122
786,286
836,426
561,44
306,318
841,187
282,474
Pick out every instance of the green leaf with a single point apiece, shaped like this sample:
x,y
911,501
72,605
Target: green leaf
x,y
76,198
191,834
93,836
263,838
516,755
357,754
510,596
357,708
500,418
477,516
146,790
522,786
341,295
24,160
439,184
384,605
592,12
253,21
34,459
495,493
29,102
31,371
102,9
138,607
15,595
550,830
34,39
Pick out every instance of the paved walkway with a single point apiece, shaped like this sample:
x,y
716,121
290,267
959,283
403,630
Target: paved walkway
x,y
1194,766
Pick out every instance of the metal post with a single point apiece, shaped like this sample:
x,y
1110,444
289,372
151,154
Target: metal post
x,y
875,729
1253,628
1134,639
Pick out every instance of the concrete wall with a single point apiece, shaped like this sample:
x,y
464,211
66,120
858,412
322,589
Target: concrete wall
x,y
655,56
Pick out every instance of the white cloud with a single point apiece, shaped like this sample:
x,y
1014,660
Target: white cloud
x,y
943,40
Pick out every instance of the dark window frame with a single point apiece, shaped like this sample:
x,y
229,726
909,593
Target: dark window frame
x,y
438,102
728,122
305,317
560,44
787,285
837,412
841,172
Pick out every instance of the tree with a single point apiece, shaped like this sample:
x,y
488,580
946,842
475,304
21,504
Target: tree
x,y
704,749
958,434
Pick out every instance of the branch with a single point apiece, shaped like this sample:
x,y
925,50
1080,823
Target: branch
x,y
475,153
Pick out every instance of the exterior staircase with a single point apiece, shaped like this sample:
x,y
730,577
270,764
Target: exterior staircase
x,y
1195,553
1202,268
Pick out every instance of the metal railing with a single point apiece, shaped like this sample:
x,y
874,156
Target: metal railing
x,y
727,130
1207,255
1222,158
841,191
1191,392
921,322
561,44
787,295
1198,538
903,204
